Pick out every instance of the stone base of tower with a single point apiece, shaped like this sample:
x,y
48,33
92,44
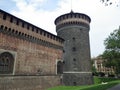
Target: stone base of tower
x,y
77,78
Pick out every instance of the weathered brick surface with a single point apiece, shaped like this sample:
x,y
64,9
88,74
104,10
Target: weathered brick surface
x,y
35,51
31,58
28,82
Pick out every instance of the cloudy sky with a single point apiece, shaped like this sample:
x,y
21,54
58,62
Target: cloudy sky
x,y
42,13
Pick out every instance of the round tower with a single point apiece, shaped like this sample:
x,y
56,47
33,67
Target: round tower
x,y
74,29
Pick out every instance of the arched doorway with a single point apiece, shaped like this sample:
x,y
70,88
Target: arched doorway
x,y
6,63
59,67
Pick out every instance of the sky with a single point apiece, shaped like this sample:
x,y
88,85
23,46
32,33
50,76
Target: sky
x,y
42,13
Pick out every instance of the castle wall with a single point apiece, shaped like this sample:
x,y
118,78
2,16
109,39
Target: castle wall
x,y
30,58
28,82
35,51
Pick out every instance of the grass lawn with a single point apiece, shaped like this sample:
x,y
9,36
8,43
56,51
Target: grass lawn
x,y
96,86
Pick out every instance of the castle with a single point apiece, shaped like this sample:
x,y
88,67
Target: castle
x,y
34,59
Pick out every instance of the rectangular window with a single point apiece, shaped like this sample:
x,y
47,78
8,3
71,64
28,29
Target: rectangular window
x,y
41,32
22,24
4,16
17,23
36,30
27,26
11,19
32,28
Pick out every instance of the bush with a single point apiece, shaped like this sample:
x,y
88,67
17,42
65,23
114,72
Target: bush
x,y
100,74
111,75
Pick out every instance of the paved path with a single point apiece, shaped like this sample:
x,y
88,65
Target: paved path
x,y
117,87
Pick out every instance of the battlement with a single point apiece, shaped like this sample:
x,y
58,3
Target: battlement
x,y
72,19
14,26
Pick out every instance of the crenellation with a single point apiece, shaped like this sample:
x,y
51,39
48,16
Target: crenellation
x,y
23,26
79,16
24,35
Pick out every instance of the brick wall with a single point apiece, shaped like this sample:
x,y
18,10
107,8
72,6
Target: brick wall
x,y
35,51
30,58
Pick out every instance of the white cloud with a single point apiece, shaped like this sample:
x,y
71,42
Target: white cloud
x,y
104,19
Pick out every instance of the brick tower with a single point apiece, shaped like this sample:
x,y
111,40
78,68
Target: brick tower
x,y
74,29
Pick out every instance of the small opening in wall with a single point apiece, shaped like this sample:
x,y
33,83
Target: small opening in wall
x,y
1,26
74,59
63,51
5,28
74,83
73,38
73,49
80,28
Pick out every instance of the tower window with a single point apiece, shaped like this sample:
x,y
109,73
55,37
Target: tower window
x,y
73,49
80,28
73,38
74,59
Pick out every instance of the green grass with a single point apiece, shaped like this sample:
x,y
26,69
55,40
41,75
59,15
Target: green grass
x,y
96,86
98,80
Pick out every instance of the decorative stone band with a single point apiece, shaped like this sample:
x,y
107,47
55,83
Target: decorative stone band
x,y
78,72
72,23
73,20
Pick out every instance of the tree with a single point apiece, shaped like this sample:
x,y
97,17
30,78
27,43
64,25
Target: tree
x,y
111,54
110,2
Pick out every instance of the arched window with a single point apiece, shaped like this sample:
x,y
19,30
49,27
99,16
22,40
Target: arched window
x,y
59,67
6,63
